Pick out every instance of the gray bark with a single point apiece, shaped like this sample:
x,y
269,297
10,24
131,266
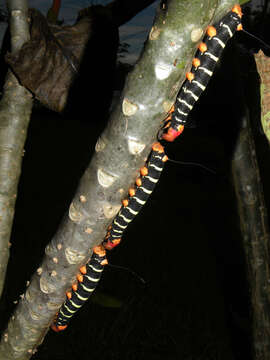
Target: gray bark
x,y
121,150
15,111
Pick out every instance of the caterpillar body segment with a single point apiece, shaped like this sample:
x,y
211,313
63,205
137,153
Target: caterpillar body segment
x,y
81,291
138,196
203,65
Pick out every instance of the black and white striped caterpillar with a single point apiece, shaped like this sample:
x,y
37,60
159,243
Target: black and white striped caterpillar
x,y
91,272
137,196
81,290
202,69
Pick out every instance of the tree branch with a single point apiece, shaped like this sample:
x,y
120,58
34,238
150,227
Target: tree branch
x,y
15,111
121,150
263,67
255,234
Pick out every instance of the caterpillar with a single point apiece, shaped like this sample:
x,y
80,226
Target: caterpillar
x,y
203,65
137,196
88,279
90,274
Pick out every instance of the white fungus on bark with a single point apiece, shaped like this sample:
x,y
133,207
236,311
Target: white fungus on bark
x,y
163,71
73,256
128,107
135,147
74,214
105,179
196,34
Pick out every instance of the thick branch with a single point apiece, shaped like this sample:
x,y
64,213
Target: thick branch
x,y
263,67
15,110
121,150
255,233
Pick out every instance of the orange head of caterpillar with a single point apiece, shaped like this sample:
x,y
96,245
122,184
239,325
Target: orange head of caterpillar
x,y
58,328
55,327
172,134
110,244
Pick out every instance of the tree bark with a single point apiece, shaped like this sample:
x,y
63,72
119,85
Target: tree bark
x,y
263,67
149,93
15,111
255,234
